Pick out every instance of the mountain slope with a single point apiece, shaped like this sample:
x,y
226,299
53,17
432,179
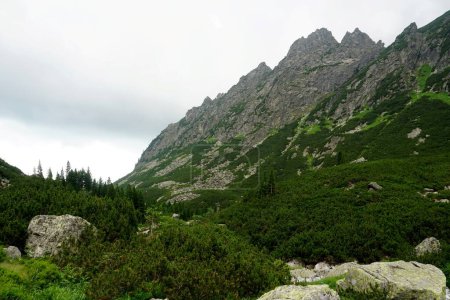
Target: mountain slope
x,y
326,103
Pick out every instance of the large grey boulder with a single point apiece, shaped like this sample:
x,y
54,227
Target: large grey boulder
x,y
296,292
341,269
47,233
12,252
303,275
428,246
397,280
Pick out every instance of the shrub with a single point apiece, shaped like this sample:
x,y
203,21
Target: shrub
x,y
179,262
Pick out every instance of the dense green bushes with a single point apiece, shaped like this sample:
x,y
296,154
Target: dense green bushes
x,y
30,196
178,261
331,215
38,280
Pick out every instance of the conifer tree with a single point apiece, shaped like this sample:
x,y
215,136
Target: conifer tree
x,y
50,174
39,170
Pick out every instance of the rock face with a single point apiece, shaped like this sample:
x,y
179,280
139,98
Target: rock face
x,y
295,292
314,66
427,246
12,252
397,280
47,233
320,84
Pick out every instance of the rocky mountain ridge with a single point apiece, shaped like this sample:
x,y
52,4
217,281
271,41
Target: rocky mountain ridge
x,y
325,103
265,99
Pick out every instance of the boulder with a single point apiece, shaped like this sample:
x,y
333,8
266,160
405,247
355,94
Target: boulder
x,y
294,264
296,292
374,186
396,280
427,246
47,233
341,269
12,252
303,275
322,269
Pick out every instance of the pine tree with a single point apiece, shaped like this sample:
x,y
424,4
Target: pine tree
x,y
39,170
50,174
68,168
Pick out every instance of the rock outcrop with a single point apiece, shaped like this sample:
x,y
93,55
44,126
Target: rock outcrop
x,y
47,233
396,280
296,292
428,246
314,66
12,252
320,85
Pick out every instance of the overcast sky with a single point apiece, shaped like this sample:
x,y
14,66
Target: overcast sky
x,y
93,81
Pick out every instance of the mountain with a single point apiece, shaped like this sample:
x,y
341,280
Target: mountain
x,y
325,103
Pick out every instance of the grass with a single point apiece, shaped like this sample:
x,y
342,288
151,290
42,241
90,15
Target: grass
x,y
379,120
37,279
312,129
16,268
422,75
330,281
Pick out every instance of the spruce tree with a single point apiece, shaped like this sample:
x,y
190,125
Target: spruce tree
x,y
50,174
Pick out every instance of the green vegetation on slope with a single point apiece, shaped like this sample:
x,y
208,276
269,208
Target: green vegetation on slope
x,y
331,215
33,279
178,261
110,209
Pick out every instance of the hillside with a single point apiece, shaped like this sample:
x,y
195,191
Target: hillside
x,y
339,154
326,103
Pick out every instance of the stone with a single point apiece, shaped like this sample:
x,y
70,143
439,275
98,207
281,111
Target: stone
x,y
294,264
47,233
359,160
12,252
175,216
341,269
442,201
296,292
374,186
396,280
303,275
414,133
322,269
427,246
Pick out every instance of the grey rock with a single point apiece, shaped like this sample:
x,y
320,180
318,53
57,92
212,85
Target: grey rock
x,y
374,186
341,269
442,201
12,252
358,160
295,292
47,233
322,269
314,66
427,246
175,216
303,275
397,280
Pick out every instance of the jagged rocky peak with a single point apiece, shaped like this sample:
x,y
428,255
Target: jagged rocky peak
x,y
256,74
320,38
207,101
357,38
412,28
